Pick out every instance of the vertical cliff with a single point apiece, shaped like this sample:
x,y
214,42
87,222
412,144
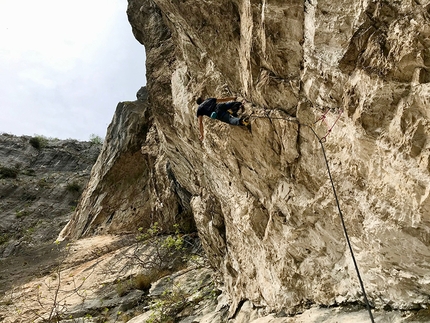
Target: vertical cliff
x,y
261,199
132,184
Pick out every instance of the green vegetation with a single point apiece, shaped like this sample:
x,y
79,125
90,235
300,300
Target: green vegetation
x,y
176,299
169,305
174,241
4,237
22,213
7,172
96,140
168,255
169,251
28,233
39,142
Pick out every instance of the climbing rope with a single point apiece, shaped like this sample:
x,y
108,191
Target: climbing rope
x,y
321,140
344,227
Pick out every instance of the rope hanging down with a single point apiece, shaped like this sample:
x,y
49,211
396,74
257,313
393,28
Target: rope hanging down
x,y
344,227
321,141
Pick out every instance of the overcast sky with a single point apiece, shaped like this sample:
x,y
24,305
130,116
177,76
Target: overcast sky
x,y
64,66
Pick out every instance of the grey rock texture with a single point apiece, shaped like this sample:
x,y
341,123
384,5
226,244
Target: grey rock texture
x,y
37,201
261,199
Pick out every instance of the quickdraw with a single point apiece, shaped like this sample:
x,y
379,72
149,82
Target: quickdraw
x,y
330,128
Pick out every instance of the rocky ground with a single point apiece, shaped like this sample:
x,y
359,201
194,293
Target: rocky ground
x,y
108,279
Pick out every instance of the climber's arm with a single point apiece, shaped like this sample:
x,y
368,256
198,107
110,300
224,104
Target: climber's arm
x,y
232,98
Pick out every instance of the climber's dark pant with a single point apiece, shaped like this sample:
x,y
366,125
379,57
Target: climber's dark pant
x,y
228,118
223,115
233,106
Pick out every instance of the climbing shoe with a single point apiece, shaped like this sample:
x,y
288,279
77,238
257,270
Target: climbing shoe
x,y
244,121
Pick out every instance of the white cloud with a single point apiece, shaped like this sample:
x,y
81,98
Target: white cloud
x,y
60,62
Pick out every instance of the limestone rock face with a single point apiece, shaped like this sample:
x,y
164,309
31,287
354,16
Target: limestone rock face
x,y
132,184
352,72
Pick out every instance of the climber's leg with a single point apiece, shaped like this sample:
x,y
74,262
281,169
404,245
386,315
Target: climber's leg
x,y
228,118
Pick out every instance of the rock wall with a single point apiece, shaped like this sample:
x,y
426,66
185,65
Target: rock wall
x,y
262,199
132,185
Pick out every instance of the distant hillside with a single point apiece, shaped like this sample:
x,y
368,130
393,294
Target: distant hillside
x,y
40,183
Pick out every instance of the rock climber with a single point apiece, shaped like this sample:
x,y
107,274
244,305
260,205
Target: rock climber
x,y
224,109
